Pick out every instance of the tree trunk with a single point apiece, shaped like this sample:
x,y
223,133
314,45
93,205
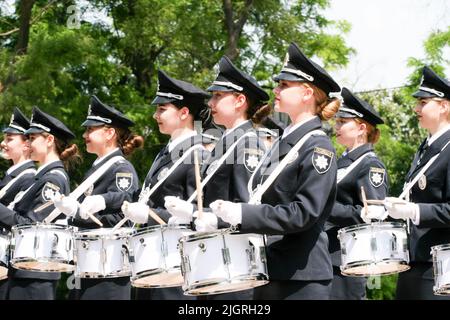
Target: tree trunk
x,y
24,11
234,29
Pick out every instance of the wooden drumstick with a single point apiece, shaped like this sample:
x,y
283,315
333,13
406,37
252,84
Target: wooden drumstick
x,y
364,200
151,213
198,185
155,217
93,218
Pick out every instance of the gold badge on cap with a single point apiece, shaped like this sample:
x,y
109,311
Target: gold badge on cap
x,y
422,182
12,119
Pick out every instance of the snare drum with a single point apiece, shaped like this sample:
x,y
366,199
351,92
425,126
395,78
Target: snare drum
x,y
220,262
441,268
101,253
4,254
378,248
42,247
155,257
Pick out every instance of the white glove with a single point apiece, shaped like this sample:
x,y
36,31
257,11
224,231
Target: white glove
x,y
401,209
66,205
179,208
137,212
228,211
207,223
91,205
177,220
373,212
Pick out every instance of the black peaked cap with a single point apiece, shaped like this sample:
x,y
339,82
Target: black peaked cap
x,y
18,124
100,114
432,85
43,122
354,107
297,67
230,78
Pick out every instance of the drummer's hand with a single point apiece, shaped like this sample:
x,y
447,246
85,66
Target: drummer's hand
x,y
137,212
178,208
373,212
207,223
228,211
66,205
401,209
91,205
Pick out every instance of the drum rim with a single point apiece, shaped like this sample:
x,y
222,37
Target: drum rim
x,y
43,226
367,262
212,234
70,264
259,279
81,235
445,246
373,224
146,273
144,230
95,275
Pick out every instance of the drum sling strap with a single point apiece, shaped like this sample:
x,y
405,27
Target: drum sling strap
x,y
257,194
11,183
219,163
145,194
351,167
407,188
86,184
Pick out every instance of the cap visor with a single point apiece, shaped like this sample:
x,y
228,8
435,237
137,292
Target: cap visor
x,y
92,123
12,131
162,100
343,114
215,87
34,130
287,77
423,94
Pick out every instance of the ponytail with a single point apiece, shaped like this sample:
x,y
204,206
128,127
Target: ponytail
x,y
128,141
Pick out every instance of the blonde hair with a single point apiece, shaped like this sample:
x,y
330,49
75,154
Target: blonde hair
x,y
326,107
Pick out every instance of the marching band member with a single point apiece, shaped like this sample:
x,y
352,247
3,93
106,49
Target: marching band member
x,y
20,176
179,104
237,103
429,209
49,144
107,135
358,167
294,207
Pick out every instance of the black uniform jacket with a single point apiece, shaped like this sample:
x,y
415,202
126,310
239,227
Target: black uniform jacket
x,y
432,193
296,206
21,184
46,182
180,183
231,179
369,173
116,185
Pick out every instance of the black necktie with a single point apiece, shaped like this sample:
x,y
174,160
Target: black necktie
x,y
422,151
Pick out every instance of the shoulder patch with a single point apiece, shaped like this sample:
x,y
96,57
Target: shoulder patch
x,y
376,176
321,159
49,190
124,180
252,158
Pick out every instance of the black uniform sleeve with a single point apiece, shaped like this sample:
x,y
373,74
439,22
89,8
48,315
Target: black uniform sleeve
x,y
314,191
368,174
437,215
